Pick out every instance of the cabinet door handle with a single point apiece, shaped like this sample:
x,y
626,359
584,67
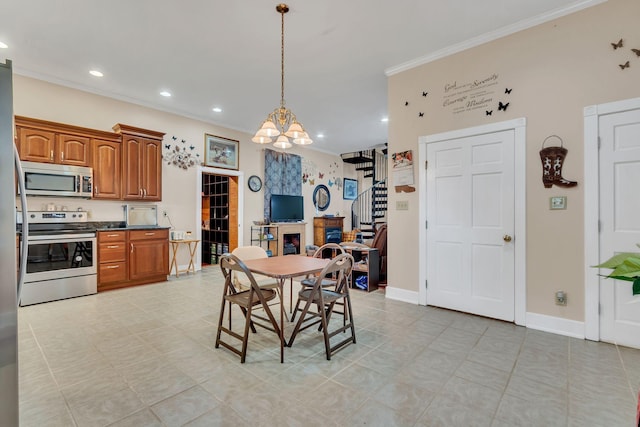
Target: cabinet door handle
x,y
144,192
95,189
62,156
51,155
140,192
150,234
131,247
113,266
112,235
113,246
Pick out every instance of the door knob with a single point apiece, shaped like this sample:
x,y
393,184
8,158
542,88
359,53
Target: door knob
x,y
506,238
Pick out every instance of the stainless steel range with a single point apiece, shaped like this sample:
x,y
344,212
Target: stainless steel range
x,y
61,260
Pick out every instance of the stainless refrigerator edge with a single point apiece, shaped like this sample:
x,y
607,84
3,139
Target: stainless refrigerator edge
x,y
9,413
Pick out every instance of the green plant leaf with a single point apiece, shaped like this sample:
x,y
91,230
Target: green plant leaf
x,y
616,260
629,268
636,286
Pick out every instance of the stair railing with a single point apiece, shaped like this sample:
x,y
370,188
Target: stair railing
x,y
370,205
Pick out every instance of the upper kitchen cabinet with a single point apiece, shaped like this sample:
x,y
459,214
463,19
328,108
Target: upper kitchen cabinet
x,y
49,142
107,169
141,163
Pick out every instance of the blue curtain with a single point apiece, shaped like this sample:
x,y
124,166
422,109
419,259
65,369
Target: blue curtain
x,y
282,175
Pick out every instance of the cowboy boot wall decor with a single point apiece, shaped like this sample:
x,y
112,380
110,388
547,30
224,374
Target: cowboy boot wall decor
x,y
552,159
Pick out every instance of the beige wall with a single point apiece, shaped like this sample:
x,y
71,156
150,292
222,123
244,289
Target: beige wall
x,y
555,70
42,100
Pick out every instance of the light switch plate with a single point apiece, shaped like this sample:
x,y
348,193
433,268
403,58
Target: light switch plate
x,y
558,202
402,205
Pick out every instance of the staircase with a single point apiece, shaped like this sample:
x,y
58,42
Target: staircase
x,y
371,205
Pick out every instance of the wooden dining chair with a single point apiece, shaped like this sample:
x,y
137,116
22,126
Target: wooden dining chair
x,y
246,300
324,299
332,249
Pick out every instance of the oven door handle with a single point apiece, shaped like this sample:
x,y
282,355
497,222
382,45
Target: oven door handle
x,y
70,238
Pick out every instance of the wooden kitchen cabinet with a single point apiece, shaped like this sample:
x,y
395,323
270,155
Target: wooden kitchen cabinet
x,y
73,150
132,257
149,254
48,142
107,169
112,258
36,145
141,163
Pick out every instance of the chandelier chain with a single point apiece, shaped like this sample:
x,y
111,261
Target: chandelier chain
x,y
282,59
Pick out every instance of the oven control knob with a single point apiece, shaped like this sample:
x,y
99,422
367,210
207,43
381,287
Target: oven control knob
x,y
33,215
74,215
79,215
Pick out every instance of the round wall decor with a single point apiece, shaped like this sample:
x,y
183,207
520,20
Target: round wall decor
x,y
255,183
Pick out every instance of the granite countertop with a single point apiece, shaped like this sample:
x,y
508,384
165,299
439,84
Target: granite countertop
x,y
121,225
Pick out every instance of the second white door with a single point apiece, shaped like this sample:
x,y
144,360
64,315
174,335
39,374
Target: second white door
x,y
470,224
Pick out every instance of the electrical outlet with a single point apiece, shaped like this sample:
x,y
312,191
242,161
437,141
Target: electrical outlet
x,y
402,205
561,298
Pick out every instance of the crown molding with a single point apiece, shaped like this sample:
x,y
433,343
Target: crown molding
x,y
493,35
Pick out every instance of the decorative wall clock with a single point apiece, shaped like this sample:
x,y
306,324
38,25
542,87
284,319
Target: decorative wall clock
x,y
255,183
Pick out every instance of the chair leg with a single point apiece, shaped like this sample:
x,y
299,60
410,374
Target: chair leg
x,y
325,331
245,337
224,303
300,320
347,306
293,316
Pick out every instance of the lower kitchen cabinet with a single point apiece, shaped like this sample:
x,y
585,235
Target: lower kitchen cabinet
x,y
132,257
149,255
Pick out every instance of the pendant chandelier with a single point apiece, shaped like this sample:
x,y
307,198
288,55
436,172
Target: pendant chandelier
x,y
281,124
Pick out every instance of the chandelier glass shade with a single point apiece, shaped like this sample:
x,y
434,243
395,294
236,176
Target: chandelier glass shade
x,y
281,126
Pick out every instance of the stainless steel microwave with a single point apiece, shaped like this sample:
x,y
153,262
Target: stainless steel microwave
x,y
47,179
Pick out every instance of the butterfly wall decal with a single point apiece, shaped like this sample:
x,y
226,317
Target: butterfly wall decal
x,y
625,65
406,103
191,147
508,91
330,183
174,138
488,113
320,175
183,141
312,181
502,106
617,45
425,93
167,146
421,114
636,51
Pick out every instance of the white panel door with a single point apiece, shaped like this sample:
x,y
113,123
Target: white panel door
x,y
470,215
620,222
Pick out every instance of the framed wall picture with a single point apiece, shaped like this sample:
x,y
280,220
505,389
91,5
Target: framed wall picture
x,y
221,152
350,189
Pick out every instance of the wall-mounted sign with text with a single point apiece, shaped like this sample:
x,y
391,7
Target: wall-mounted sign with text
x,y
471,95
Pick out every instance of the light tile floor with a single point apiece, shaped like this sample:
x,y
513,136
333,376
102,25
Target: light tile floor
x,y
144,356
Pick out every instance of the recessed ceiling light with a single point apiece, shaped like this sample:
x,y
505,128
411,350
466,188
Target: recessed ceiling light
x,y
217,110
165,93
384,119
3,46
96,73
320,135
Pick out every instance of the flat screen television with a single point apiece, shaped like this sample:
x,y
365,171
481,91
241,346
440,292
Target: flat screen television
x,y
286,208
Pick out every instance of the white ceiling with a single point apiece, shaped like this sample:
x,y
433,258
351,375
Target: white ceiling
x,y
227,53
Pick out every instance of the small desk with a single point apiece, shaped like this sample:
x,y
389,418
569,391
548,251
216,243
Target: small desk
x,y
192,245
282,268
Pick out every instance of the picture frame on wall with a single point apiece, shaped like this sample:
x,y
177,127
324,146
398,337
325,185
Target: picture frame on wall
x,y
220,152
349,189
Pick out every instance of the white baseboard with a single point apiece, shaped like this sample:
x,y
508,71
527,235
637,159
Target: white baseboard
x,y
555,325
403,295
